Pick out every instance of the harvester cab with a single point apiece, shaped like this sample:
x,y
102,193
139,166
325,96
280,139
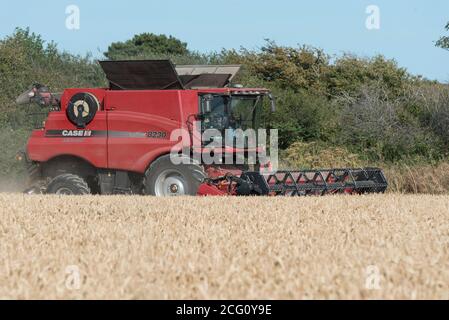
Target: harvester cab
x,y
155,129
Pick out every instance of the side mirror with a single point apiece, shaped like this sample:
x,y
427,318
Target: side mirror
x,y
208,105
273,102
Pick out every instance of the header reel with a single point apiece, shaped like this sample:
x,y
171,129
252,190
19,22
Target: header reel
x,y
299,183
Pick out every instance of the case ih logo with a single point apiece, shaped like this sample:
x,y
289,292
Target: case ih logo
x,y
103,133
76,133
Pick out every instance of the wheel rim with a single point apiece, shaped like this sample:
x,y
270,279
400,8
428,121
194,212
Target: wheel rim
x,y
170,183
64,191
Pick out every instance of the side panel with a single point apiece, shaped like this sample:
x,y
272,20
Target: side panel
x,y
54,140
140,124
61,137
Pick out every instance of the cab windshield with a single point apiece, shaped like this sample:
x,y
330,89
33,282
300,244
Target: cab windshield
x,y
223,112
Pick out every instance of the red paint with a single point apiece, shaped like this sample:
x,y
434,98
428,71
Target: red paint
x,y
210,190
137,111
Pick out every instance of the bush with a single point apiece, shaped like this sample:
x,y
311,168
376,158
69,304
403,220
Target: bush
x,y
314,155
11,141
430,104
375,125
302,116
350,73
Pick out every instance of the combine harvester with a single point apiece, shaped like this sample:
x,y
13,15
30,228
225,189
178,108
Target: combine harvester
x,y
116,140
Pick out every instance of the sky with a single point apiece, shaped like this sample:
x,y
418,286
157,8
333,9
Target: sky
x,y
407,28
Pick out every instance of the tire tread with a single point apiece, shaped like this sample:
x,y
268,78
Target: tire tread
x,y
77,181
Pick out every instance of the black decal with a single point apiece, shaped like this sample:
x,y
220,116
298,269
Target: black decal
x,y
68,133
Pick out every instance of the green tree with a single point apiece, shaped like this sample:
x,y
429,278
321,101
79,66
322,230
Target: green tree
x,y
443,42
349,73
147,44
290,67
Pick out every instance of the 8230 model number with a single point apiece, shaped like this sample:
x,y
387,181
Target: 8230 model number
x,y
157,134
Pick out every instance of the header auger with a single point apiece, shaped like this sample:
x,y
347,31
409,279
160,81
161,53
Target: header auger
x,y
120,139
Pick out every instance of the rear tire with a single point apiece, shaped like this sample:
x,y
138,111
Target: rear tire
x,y
164,178
68,184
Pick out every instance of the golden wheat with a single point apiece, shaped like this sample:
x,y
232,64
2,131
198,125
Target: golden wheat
x,y
380,246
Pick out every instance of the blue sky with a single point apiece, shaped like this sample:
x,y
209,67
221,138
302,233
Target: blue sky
x,y
407,31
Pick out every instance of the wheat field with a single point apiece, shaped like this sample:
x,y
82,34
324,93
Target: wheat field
x,y
122,247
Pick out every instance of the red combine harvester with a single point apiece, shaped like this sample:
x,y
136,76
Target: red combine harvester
x,y
116,140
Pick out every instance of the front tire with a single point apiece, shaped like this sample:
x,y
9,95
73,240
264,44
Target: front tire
x,y
164,178
68,184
